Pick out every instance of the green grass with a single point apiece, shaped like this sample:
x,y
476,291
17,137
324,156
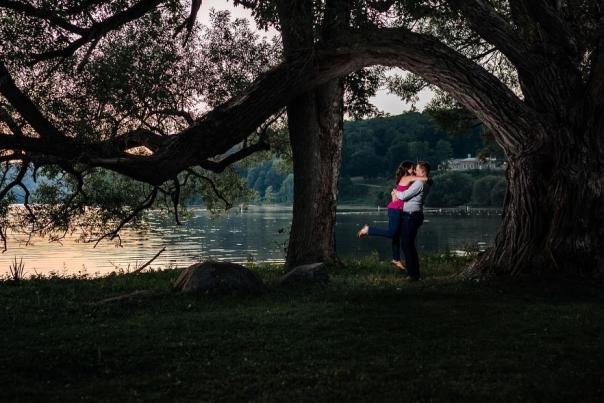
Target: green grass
x,y
363,337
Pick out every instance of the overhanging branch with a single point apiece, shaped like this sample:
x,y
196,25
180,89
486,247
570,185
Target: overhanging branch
x,y
229,124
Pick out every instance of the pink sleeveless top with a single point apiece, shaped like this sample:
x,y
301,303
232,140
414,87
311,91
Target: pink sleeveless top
x,y
398,204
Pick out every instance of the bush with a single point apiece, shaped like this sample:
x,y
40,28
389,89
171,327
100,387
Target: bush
x,y
482,191
450,189
498,193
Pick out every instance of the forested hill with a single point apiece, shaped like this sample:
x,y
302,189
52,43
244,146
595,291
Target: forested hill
x,y
372,151
375,147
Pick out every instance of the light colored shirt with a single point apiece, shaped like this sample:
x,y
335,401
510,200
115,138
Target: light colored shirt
x,y
414,196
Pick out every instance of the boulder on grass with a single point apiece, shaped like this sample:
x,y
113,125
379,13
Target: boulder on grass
x,y
218,278
306,274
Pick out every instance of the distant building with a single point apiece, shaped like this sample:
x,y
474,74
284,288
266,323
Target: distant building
x,y
470,163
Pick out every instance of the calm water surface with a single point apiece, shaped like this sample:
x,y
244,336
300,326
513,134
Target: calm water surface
x,y
260,233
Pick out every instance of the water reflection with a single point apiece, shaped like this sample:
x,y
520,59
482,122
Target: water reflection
x,y
260,233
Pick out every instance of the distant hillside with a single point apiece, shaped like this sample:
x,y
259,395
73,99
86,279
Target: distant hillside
x,y
375,147
372,151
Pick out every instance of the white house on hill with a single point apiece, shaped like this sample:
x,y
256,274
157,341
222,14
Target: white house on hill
x,y
465,164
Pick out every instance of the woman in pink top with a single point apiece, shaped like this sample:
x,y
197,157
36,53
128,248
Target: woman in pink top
x,y
405,175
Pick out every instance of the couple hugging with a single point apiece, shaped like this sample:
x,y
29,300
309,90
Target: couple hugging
x,y
405,215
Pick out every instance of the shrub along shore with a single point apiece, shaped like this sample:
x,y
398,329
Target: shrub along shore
x,y
365,336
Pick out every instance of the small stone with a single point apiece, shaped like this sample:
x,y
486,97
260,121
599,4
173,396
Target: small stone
x,y
306,274
218,278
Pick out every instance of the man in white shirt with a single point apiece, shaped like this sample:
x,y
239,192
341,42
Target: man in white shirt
x,y
412,218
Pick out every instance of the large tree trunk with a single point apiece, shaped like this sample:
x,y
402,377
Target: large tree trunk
x,y
553,221
315,129
315,121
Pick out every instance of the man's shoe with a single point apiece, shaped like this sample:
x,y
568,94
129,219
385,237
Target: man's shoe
x,y
410,279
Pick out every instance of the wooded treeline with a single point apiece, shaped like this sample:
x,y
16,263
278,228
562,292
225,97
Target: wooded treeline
x,y
371,152
374,148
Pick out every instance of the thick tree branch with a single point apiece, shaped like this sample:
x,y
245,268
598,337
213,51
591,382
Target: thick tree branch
x,y
190,21
485,20
26,107
99,29
31,145
229,124
10,122
553,25
53,18
135,138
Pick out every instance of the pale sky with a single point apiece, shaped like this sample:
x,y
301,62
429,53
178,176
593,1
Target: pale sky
x,y
384,101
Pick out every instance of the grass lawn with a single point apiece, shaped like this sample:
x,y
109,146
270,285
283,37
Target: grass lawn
x,y
363,337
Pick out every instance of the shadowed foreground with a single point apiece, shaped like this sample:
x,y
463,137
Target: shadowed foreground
x,y
363,337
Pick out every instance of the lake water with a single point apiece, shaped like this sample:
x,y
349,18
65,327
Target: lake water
x,y
259,234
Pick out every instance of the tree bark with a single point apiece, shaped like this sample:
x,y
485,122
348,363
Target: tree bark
x,y
315,121
315,128
553,220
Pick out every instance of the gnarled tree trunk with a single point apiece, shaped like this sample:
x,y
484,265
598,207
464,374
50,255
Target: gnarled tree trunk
x,y
553,221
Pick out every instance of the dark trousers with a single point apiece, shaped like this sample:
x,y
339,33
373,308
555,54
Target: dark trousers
x,y
393,232
410,223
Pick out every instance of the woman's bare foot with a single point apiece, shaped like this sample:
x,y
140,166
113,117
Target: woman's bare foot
x,y
363,231
397,264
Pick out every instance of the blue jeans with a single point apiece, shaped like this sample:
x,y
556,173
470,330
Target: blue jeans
x,y
393,231
410,223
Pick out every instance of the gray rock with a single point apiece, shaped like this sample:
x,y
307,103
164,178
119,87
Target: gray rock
x,y
306,274
218,278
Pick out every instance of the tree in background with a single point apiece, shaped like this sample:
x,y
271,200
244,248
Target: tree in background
x,y
498,193
375,147
450,189
286,192
442,153
269,195
127,95
482,189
